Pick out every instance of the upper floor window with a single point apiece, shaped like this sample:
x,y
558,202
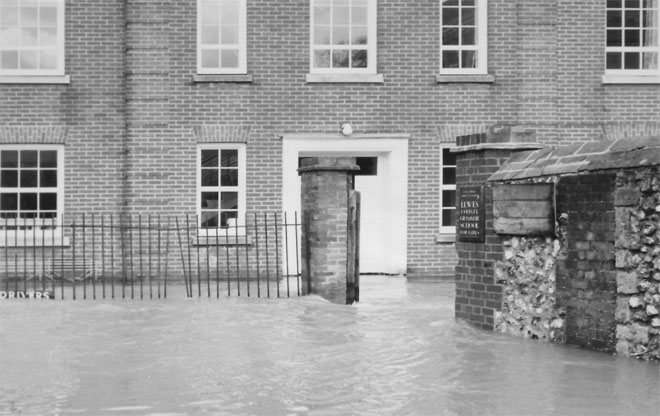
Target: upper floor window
x,y
31,37
221,37
221,187
463,36
633,37
447,191
343,38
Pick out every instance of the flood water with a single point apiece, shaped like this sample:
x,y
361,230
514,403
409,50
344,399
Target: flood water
x,y
398,352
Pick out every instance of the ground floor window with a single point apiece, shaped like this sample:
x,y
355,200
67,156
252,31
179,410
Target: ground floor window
x,y
447,190
221,186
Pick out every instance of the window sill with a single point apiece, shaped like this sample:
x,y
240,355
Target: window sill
x,y
344,79
36,79
235,78
445,238
457,79
38,242
230,240
630,79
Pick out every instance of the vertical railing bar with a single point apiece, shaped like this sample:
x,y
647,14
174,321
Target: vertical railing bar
x,y
73,255
43,256
238,262
112,255
84,254
228,277
34,252
183,261
167,255
93,280
217,259
277,256
187,277
295,231
123,237
25,240
62,256
53,222
267,263
247,256
256,246
286,253
208,264
6,250
140,256
151,295
158,224
103,255
131,255
189,253
197,249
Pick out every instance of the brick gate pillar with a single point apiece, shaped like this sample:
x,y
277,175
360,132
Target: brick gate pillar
x,y
329,229
478,295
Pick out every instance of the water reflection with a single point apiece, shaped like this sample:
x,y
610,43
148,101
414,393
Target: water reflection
x,y
397,352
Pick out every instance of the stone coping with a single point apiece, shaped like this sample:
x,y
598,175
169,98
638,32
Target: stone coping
x,y
617,154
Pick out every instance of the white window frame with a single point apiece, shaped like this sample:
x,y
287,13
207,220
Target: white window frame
x,y
59,70
443,187
372,44
31,236
241,189
242,43
481,46
637,75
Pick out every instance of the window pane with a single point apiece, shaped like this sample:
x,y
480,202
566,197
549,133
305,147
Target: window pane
x,y
229,35
360,16
468,16
28,60
209,200
48,16
448,217
210,35
450,59
29,178
9,179
9,59
321,59
631,60
448,158
28,16
340,58
29,36
48,202
340,15
614,38
229,177
650,38
359,59
210,58
450,36
632,3
449,198
209,158
28,202
9,37
322,15
650,60
225,216
48,178
229,13
209,219
632,37
469,59
48,59
9,159
632,18
229,158
613,60
449,176
229,200
450,16
340,35
9,202
48,159
468,36
229,58
210,13
614,18
8,16
322,35
209,177
614,3
359,35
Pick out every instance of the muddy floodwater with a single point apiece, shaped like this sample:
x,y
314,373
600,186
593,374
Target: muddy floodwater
x,y
398,352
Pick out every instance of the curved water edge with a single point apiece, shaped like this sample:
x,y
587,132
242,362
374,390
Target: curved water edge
x,y
397,352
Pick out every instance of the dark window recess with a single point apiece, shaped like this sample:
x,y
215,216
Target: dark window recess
x,y
368,165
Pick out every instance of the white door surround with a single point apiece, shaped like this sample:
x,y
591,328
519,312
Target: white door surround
x,y
385,199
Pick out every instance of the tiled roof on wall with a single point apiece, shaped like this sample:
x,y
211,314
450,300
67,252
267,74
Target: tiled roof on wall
x,y
623,153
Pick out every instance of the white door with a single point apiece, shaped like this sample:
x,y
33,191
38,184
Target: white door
x,y
383,195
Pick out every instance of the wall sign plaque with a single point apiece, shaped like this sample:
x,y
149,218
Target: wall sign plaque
x,y
470,224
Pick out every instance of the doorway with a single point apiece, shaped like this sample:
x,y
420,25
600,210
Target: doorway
x,y
382,185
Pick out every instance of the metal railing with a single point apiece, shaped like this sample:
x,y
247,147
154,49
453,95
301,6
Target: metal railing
x,y
149,256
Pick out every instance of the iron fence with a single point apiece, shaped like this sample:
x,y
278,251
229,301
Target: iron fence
x,y
150,256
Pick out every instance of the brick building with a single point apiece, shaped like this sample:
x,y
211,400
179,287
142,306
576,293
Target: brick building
x,y
205,107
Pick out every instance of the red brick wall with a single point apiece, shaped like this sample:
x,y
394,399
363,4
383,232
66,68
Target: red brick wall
x,y
546,57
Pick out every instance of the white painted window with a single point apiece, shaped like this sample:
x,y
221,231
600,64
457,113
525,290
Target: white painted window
x,y
343,37
463,37
221,187
31,37
447,190
633,38
31,191
221,37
